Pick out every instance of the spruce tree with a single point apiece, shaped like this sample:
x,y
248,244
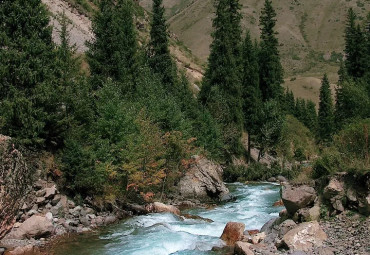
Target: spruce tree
x,y
326,118
29,105
113,52
251,93
159,55
271,71
221,89
355,47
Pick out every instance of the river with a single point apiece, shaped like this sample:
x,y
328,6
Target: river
x,y
164,234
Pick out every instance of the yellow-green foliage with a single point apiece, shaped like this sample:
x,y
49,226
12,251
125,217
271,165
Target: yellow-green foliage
x,y
297,142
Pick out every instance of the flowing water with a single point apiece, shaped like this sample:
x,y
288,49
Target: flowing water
x,y
164,234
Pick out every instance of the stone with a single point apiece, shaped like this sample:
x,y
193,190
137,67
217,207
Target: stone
x,y
34,227
281,178
110,219
85,211
334,188
268,226
158,207
305,237
242,248
60,230
50,192
17,225
364,205
56,200
271,179
40,200
31,212
351,195
337,204
39,184
285,227
48,206
258,237
2,250
85,221
40,193
233,232
297,198
49,216
25,250
203,181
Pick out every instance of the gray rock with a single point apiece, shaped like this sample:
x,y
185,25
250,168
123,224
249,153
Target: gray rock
x,y
285,227
49,216
305,237
31,212
2,250
271,179
50,192
40,200
297,198
110,219
281,178
55,200
40,193
34,227
268,226
333,189
85,221
203,181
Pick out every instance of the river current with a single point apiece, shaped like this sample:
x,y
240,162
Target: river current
x,y
165,234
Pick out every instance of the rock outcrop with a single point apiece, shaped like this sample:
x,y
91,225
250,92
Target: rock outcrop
x,y
15,178
305,237
203,181
296,198
34,227
233,232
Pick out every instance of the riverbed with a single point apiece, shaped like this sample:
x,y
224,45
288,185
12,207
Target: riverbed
x,y
164,234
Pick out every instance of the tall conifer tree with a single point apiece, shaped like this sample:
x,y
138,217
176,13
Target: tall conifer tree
x,y
271,71
221,90
29,103
251,93
326,118
159,53
113,52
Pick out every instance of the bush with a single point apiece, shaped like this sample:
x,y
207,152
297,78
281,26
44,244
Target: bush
x,y
329,163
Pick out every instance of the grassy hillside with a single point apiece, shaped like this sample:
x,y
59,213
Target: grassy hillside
x,y
310,34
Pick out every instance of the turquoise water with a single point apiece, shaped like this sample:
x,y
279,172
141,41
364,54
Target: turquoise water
x,y
164,234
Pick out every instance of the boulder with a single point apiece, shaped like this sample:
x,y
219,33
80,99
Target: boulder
x,y
242,248
158,207
110,219
40,193
334,188
305,237
271,179
281,179
40,200
203,181
25,250
364,205
268,226
50,192
233,232
257,238
285,227
49,216
34,227
56,200
297,198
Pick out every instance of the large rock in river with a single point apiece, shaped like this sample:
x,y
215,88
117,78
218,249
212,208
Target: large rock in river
x,y
203,180
233,232
305,237
295,198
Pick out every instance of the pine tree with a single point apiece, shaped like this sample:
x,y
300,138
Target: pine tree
x,y
311,116
355,47
29,103
326,118
159,55
271,71
221,90
251,93
113,52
